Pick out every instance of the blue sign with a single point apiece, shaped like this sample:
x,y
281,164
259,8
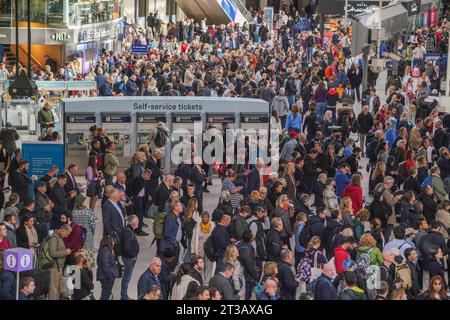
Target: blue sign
x,y
230,8
139,49
42,155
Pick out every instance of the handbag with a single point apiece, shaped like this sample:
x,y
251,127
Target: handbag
x,y
315,271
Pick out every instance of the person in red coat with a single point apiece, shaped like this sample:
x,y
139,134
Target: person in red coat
x,y
74,241
355,193
341,253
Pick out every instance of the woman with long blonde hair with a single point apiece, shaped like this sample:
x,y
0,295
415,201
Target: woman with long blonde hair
x,y
232,257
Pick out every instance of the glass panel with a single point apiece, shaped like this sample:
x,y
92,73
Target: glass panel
x,y
83,12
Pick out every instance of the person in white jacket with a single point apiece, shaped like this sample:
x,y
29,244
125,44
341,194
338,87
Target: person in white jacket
x,y
202,232
182,282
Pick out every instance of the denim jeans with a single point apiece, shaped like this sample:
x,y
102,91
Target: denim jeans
x,y
128,267
320,111
107,287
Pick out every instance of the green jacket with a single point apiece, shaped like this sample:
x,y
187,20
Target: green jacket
x,y
376,257
110,163
57,249
41,202
439,188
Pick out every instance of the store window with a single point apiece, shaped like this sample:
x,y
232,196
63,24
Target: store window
x,y
83,12
42,11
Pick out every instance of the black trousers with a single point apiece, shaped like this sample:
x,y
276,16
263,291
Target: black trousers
x,y
107,287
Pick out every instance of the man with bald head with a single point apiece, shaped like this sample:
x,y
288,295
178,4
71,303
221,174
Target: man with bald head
x,y
325,289
151,277
270,290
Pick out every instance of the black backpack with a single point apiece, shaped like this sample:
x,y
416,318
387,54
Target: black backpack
x,y
160,137
305,235
209,248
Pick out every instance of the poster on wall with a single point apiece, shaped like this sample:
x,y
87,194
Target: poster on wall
x,y
433,16
425,18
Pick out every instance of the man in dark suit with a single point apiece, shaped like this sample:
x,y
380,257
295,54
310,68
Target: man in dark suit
x,y
22,181
138,193
154,164
163,192
15,161
113,215
221,240
171,238
61,199
256,177
288,283
71,184
120,185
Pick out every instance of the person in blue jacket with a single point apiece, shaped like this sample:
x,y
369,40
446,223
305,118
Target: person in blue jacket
x,y
150,277
107,270
172,232
342,179
294,120
390,134
324,288
7,285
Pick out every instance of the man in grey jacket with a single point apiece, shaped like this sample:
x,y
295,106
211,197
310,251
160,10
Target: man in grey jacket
x,y
221,282
289,147
281,104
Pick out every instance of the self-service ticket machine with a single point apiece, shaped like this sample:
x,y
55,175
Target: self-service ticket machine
x,y
77,139
256,124
183,127
145,125
118,130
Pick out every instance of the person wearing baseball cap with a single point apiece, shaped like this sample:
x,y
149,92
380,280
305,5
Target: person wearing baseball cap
x,y
289,147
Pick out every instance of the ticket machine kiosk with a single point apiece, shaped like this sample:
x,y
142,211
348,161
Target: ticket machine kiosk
x,y
145,126
118,130
77,138
182,128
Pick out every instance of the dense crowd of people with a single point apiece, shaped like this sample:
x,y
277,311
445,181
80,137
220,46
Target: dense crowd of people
x,y
313,230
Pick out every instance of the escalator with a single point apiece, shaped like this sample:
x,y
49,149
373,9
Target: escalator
x,y
216,11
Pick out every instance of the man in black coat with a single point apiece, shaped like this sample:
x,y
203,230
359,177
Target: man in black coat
x,y
411,260
22,181
60,198
130,252
163,192
317,224
138,193
71,184
274,241
288,283
248,262
197,264
153,164
221,240
432,239
310,171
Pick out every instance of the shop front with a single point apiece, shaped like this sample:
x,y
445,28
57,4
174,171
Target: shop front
x,y
66,29
429,13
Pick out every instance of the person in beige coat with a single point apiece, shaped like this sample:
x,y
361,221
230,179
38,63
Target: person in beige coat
x,y
58,251
415,139
443,217
390,199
